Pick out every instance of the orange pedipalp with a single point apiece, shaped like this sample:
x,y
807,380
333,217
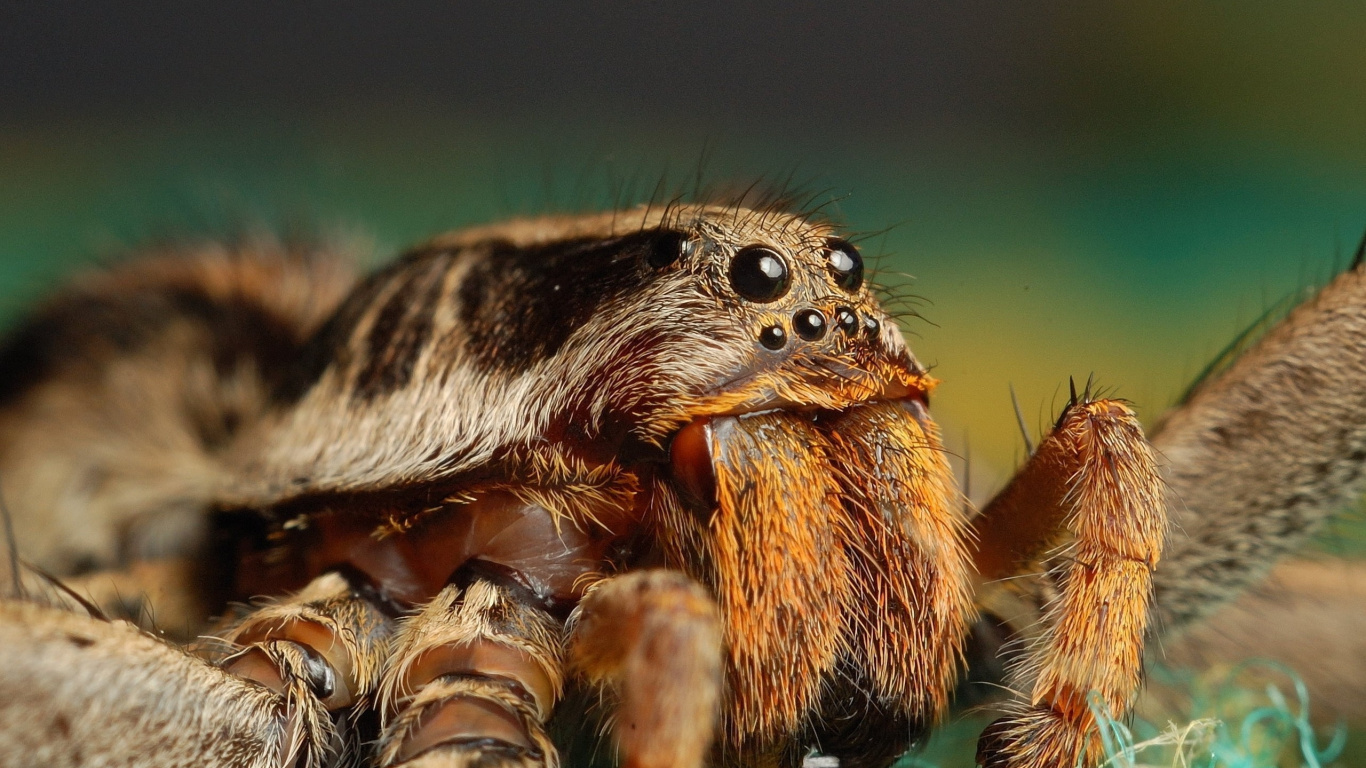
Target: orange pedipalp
x,y
835,549
777,567
911,573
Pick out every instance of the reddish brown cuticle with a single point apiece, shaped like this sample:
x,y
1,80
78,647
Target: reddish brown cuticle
x,y
465,719
487,659
254,665
691,461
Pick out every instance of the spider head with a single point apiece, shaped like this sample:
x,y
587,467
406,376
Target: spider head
x,y
752,311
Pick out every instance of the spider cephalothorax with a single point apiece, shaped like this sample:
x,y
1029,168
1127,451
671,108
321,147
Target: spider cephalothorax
x,y
708,388
679,457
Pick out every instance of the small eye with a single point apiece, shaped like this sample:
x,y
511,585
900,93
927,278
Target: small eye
x,y
845,264
773,337
809,324
846,320
759,274
872,327
668,248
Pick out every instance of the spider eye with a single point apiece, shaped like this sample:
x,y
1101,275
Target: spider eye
x,y
809,324
846,319
759,274
846,265
668,248
773,337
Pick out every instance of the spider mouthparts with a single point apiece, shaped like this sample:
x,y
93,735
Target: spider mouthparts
x,y
690,457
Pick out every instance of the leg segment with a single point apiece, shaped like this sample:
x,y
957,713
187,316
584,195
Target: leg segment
x,y
1089,511
653,638
77,691
1259,455
471,681
158,595
321,649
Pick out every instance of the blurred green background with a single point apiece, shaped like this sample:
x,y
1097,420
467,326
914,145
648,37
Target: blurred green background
x,y
1109,189
1113,189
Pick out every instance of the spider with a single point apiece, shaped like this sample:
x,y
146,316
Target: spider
x,y
666,472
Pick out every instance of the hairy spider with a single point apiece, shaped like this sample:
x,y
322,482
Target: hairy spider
x,y
667,471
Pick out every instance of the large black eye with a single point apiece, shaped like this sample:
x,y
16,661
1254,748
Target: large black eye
x,y
846,265
809,324
667,248
759,274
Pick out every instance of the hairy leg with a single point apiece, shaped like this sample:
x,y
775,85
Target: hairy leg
x,y
76,691
1261,453
1088,513
652,641
120,395
471,680
162,595
321,648
1257,457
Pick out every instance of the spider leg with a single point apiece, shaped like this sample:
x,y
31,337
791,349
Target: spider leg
x,y
156,594
77,690
653,638
1089,510
1260,454
321,648
471,680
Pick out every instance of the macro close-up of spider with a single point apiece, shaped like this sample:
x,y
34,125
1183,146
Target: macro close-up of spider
x,y
376,389
675,458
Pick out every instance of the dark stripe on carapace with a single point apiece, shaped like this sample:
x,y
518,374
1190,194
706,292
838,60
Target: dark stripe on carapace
x,y
82,329
510,314
520,305
402,328
330,345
